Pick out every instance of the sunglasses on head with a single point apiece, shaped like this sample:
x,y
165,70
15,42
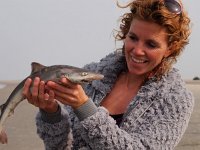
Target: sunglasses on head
x,y
174,6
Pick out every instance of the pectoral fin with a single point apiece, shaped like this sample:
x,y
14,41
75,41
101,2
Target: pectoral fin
x,y
11,113
2,109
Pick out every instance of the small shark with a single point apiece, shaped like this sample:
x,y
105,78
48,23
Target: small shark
x,y
46,73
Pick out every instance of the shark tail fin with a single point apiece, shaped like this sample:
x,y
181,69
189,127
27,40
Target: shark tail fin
x,y
3,136
2,107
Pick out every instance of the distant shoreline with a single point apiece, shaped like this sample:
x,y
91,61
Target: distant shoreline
x,y
192,82
2,86
9,82
14,82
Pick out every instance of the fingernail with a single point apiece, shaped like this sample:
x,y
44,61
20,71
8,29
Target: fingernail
x,y
64,80
36,79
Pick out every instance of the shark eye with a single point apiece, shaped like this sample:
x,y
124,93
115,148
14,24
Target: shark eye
x,y
84,74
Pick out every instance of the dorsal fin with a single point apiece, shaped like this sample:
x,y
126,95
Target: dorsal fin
x,y
36,67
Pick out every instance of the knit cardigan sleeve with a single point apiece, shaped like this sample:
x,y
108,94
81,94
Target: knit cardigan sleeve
x,y
160,126
54,129
151,131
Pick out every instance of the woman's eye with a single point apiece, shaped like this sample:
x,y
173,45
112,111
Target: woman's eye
x,y
133,38
151,45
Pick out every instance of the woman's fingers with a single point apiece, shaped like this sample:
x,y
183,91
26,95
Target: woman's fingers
x,y
58,87
51,96
41,90
68,83
67,100
39,96
68,93
35,87
26,89
50,104
66,86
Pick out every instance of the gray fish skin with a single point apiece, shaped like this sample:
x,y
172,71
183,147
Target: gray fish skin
x,y
46,73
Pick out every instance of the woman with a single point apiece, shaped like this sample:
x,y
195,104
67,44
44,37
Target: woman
x,y
142,102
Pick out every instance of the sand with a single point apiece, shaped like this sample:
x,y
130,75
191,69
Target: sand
x,y
21,129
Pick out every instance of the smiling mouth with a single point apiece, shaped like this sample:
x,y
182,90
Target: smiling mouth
x,y
138,61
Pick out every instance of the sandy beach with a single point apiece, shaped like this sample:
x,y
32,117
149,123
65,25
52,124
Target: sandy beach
x,y
21,129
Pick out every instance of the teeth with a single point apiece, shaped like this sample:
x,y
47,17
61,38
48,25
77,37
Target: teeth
x,y
138,60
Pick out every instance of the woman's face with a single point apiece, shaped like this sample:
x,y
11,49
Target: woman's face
x,y
145,46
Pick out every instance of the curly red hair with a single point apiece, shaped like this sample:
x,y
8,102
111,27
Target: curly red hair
x,y
176,25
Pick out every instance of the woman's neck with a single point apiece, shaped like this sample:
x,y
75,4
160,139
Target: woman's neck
x,y
133,81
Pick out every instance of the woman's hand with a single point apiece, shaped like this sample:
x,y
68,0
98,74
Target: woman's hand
x,y
68,93
36,95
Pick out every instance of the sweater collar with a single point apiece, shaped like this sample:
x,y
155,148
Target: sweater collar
x,y
110,66
114,63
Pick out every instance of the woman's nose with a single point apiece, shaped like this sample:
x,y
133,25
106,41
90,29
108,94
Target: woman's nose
x,y
138,50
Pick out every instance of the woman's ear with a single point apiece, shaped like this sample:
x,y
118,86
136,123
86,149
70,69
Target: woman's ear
x,y
172,48
167,53
169,50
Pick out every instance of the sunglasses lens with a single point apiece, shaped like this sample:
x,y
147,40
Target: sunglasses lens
x,y
173,6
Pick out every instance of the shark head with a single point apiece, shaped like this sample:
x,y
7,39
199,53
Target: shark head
x,y
78,75
74,74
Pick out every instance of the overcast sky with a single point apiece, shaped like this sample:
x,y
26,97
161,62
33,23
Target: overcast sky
x,y
70,32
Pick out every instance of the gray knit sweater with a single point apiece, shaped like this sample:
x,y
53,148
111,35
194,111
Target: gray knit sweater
x,y
156,118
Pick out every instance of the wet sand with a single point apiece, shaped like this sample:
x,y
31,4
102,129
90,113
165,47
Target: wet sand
x,y
191,138
21,129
